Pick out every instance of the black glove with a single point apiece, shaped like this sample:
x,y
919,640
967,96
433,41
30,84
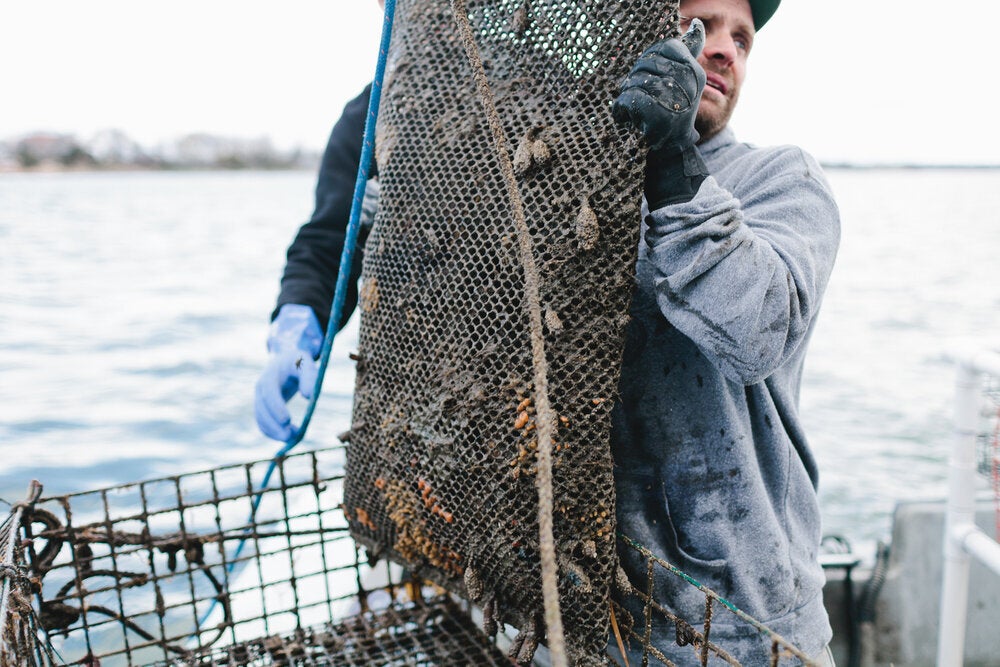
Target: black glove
x,y
660,99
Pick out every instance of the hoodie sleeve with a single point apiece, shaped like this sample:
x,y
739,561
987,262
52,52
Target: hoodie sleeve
x,y
742,273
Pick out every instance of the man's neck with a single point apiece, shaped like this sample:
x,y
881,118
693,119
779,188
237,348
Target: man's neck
x,y
716,138
708,137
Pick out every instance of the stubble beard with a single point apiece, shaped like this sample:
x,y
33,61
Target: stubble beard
x,y
709,122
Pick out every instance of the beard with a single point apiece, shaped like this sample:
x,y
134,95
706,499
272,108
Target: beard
x,y
712,120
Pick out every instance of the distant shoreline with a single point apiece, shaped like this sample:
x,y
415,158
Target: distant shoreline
x,y
113,151
126,169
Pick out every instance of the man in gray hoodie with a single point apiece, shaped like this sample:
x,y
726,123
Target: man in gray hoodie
x,y
713,470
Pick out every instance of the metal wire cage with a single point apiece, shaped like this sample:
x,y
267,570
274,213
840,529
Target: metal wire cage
x,y
206,568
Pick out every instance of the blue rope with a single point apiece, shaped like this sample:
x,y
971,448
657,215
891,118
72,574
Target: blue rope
x,y
343,276
347,256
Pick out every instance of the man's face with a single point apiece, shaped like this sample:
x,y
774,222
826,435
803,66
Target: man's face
x,y
729,34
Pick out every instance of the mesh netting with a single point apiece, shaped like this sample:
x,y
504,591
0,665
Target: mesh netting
x,y
443,455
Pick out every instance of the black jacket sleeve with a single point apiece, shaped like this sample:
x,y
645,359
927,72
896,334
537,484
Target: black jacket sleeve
x,y
313,259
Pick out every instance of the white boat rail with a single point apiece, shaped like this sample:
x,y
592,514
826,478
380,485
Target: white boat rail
x,y
963,539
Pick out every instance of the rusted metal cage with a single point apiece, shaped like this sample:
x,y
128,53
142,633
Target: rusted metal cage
x,y
184,570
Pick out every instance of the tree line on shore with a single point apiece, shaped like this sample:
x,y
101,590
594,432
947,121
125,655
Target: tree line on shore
x,y
113,149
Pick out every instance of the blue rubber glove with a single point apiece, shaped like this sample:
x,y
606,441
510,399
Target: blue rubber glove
x,y
294,342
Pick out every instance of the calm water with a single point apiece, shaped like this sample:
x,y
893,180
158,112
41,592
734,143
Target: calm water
x,y
134,310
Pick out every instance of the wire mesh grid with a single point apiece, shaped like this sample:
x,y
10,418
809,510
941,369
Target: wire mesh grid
x,y
423,632
168,570
179,570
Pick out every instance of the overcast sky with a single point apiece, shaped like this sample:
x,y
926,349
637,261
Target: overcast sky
x,y
854,80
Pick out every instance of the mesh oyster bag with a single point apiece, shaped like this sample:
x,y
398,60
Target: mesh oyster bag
x,y
442,459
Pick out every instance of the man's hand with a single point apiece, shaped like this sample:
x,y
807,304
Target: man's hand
x,y
660,96
294,342
660,99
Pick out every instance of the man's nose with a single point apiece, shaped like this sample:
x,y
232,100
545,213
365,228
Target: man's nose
x,y
719,49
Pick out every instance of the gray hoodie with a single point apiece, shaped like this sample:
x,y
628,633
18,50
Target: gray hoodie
x,y
713,470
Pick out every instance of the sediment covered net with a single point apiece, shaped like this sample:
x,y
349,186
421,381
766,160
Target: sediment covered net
x,y
508,224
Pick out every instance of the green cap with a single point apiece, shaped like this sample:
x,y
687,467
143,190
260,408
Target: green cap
x,y
762,10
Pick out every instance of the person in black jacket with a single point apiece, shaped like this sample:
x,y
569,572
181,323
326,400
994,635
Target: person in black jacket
x,y
307,287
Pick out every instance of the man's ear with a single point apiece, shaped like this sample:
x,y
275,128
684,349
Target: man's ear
x,y
694,38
